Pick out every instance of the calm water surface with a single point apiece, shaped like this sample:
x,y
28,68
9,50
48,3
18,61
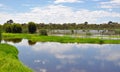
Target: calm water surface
x,y
69,57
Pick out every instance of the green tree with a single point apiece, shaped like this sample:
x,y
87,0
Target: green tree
x,y
16,28
32,27
8,28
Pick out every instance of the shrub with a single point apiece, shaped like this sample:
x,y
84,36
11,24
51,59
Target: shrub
x,y
16,28
32,27
43,32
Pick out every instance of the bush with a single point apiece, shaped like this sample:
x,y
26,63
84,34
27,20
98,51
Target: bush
x,y
43,32
16,28
32,27
101,41
8,28
13,28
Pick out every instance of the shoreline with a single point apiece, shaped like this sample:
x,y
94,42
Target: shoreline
x,y
61,39
9,61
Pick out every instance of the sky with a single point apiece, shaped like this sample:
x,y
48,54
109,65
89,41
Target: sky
x,y
60,11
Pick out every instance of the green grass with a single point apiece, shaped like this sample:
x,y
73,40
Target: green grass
x,y
9,61
62,39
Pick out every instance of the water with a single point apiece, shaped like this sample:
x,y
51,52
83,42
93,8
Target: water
x,y
69,57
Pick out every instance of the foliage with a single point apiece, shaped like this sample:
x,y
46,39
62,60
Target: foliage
x,y
110,22
16,28
31,42
43,32
86,23
13,28
62,39
32,27
88,34
72,31
24,28
0,34
9,60
10,21
8,28
15,40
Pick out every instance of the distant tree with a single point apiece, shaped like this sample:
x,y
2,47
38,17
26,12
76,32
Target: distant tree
x,y
43,32
10,21
8,28
16,28
72,31
110,22
32,27
86,23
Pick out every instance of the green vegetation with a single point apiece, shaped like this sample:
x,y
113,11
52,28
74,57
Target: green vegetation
x,y
9,61
0,34
62,39
43,32
12,28
32,27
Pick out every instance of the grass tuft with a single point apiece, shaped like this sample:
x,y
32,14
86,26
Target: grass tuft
x,y
9,61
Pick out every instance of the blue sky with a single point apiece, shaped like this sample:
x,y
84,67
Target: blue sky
x,y
60,11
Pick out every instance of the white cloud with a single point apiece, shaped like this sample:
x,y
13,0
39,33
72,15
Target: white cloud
x,y
66,1
96,0
1,5
111,4
58,14
62,56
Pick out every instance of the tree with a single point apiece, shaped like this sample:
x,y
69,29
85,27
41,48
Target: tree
x,y
110,22
43,32
32,27
86,23
8,28
10,21
16,28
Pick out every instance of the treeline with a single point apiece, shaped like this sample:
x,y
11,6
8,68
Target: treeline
x,y
31,27
19,28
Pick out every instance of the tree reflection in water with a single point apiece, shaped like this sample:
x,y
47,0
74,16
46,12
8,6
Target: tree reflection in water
x,y
15,40
31,42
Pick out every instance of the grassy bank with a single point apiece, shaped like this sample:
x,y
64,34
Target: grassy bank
x,y
9,61
62,39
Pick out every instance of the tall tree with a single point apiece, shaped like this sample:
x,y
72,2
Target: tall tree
x,y
16,28
8,28
32,27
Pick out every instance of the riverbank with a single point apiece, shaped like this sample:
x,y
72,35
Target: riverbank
x,y
62,39
9,61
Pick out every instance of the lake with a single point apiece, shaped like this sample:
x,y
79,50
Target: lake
x,y
68,57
